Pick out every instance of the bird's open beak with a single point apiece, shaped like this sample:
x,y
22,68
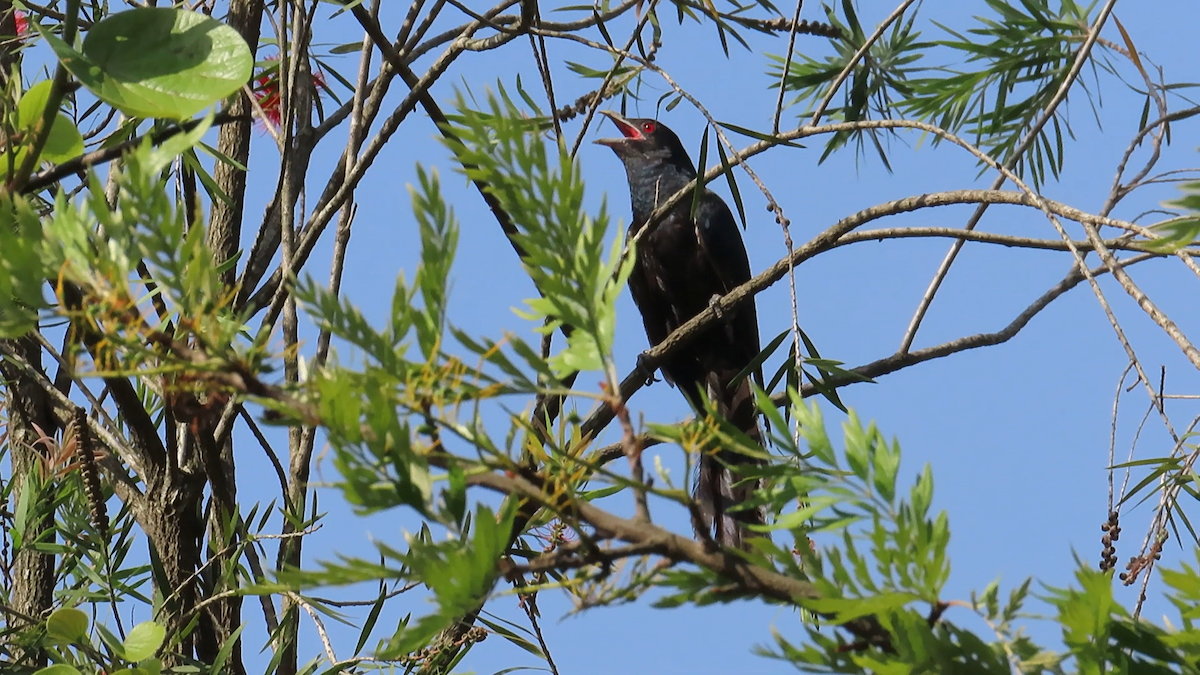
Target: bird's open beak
x,y
628,130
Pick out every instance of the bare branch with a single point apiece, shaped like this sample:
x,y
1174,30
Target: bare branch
x,y
749,579
824,241
901,360
838,81
56,173
1031,136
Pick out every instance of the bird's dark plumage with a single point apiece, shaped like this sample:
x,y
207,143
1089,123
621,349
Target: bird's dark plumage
x,y
682,264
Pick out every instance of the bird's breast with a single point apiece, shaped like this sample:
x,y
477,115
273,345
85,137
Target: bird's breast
x,y
673,263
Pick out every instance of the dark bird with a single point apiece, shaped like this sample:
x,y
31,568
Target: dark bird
x,y
683,264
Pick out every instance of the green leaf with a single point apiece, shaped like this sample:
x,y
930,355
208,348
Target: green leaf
x,y
887,465
921,495
698,192
67,624
1144,639
797,518
860,445
372,617
762,356
158,61
110,640
23,270
1166,464
1179,232
513,638
758,135
348,48
218,663
593,495
439,240
164,153
58,669
459,572
727,169
64,141
541,189
848,609
455,494
143,641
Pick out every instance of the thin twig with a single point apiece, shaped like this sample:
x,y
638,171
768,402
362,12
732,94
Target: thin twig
x,y
633,452
1031,136
86,161
368,603
612,71
787,65
280,474
320,625
529,604
1112,440
819,112
538,47
901,360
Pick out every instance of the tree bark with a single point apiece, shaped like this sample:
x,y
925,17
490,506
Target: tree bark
x,y
29,410
174,527
224,238
225,222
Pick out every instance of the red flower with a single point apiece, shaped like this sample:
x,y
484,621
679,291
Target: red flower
x,y
22,21
266,90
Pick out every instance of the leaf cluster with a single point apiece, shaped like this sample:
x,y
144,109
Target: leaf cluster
x,y
542,192
997,79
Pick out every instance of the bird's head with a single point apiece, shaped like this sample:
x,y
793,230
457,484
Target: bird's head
x,y
647,142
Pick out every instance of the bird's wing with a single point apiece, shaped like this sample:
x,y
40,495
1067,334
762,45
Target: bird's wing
x,y
720,237
658,316
722,243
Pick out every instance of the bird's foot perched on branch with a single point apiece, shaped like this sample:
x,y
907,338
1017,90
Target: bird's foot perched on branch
x,y
644,367
714,303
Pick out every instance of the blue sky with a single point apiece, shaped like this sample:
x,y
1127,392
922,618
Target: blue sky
x,y
1017,435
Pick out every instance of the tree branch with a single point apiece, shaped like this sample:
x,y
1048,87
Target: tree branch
x,y
86,161
649,539
1031,137
827,240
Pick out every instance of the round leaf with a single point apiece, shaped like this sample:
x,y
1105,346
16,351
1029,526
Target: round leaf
x,y
143,641
67,624
64,141
160,61
58,669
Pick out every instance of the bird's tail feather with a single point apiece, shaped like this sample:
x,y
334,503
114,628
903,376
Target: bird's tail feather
x,y
719,489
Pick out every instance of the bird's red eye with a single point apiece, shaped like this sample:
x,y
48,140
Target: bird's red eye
x,y
648,127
